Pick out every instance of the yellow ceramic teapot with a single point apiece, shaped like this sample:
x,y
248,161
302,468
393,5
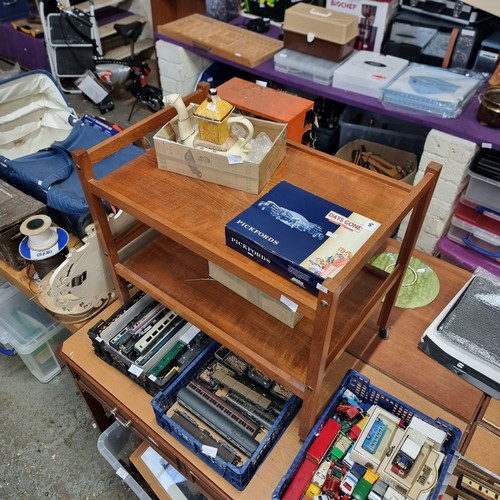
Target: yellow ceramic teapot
x,y
215,120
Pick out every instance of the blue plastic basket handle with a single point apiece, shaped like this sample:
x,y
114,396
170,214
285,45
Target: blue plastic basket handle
x,y
7,352
480,250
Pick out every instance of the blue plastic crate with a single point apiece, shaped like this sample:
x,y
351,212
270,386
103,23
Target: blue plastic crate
x,y
371,395
240,476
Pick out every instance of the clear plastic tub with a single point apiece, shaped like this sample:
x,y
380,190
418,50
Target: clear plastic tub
x,y
476,231
483,191
305,66
116,444
31,332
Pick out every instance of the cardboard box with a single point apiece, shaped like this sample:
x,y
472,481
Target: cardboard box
x,y
374,17
275,308
320,32
299,235
395,156
15,207
212,166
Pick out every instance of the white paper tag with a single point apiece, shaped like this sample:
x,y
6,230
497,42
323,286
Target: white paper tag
x,y
262,83
99,339
121,472
486,145
135,370
291,305
152,377
321,288
210,451
234,159
190,334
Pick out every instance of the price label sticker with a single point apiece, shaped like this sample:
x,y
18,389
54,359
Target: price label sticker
x,y
289,303
209,451
234,159
135,370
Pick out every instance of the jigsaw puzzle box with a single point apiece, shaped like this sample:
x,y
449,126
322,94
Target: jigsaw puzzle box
x,y
299,235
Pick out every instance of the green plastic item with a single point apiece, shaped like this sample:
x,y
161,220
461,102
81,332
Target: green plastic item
x,y
420,283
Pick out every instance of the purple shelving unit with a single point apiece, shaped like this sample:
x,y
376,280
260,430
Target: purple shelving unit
x,y
465,126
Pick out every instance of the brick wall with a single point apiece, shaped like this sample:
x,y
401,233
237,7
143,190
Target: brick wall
x,y
455,155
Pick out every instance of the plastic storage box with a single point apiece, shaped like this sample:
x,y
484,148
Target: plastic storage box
x,y
305,66
483,191
371,395
475,230
358,124
464,257
238,476
116,444
34,335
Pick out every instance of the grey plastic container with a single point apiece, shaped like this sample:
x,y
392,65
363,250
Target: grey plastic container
x,y
117,443
305,66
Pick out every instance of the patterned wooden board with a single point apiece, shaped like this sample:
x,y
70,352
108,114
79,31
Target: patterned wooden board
x,y
225,40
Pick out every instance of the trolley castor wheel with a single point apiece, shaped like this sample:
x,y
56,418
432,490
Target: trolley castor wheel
x,y
384,332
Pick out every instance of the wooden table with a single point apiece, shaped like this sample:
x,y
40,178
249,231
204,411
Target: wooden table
x,y
409,378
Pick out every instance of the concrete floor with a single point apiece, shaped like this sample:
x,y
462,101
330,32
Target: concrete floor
x,y
48,442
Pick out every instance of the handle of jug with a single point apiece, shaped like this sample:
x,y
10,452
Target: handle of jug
x,y
245,122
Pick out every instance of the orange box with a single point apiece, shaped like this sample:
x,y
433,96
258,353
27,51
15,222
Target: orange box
x,y
270,104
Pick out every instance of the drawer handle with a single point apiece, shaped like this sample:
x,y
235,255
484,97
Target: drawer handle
x,y
114,412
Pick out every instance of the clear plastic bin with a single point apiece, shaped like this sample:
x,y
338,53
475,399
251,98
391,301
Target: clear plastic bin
x,y
476,231
34,335
116,444
483,191
305,66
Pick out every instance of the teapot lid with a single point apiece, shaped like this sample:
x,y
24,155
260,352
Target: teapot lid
x,y
213,108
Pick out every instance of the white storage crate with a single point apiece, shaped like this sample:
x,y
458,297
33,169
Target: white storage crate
x,y
34,335
305,66
116,444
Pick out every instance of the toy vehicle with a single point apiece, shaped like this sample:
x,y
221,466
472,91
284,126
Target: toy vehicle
x,y
405,457
364,485
340,447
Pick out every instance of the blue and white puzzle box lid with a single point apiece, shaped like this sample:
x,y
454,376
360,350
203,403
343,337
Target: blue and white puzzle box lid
x,y
299,235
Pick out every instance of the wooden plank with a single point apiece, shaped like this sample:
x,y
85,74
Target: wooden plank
x,y
225,40
484,449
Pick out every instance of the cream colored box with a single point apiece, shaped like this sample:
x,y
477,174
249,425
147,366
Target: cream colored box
x,y
210,166
257,297
321,23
